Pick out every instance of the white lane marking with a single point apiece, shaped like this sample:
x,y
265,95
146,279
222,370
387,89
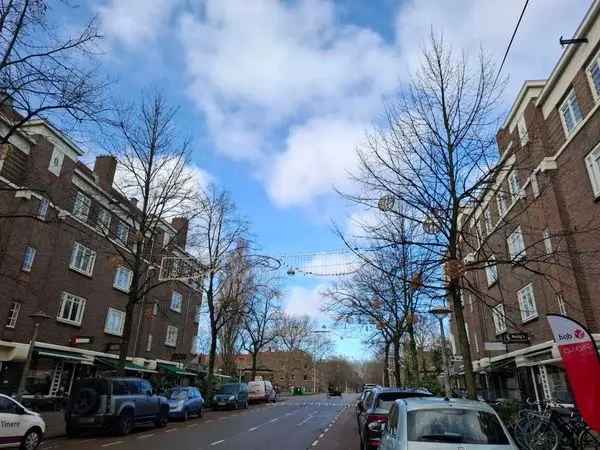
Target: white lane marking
x,y
112,443
170,430
274,420
217,442
321,436
145,436
314,444
253,429
192,425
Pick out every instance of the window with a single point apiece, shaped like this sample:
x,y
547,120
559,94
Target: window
x,y
103,220
28,258
7,406
471,302
56,161
476,342
547,242
593,72
122,232
527,303
514,186
43,209
522,130
82,259
13,314
487,220
149,343
516,244
535,187
499,318
592,162
81,208
71,309
562,306
176,301
171,338
123,279
491,270
155,309
570,112
115,319
501,202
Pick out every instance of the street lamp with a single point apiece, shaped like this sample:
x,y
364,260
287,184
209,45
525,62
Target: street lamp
x,y
441,313
37,318
318,333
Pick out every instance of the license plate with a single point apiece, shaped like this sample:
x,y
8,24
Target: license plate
x,y
86,420
222,403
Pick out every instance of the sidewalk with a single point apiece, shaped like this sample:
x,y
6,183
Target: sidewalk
x,y
55,423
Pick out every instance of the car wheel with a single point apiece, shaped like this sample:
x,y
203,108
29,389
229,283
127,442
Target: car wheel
x,y
162,419
31,440
185,415
124,423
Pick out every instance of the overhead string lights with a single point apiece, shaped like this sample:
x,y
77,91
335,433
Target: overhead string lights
x,y
335,263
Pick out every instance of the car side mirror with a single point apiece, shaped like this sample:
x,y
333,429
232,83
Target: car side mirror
x,y
20,411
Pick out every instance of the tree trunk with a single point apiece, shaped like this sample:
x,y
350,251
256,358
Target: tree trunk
x,y
211,366
386,371
413,355
453,293
126,337
397,370
254,358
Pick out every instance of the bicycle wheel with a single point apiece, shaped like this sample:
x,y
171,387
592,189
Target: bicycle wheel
x,y
588,440
539,434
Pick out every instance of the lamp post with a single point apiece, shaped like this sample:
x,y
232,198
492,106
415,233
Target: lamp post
x,y
37,318
440,314
318,333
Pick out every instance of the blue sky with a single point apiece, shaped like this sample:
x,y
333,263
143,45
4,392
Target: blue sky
x,y
277,95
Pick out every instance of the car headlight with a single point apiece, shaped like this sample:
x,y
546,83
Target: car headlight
x,y
231,398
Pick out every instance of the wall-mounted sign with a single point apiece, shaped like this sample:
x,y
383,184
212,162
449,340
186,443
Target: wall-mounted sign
x,y
515,338
82,340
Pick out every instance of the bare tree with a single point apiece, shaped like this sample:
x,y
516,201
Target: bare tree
x,y
262,320
296,333
45,71
153,172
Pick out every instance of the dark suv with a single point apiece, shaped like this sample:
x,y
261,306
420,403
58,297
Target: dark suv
x,y
117,404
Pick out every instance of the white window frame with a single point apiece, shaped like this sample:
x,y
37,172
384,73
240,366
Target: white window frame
x,y
149,343
523,294
43,208
117,313
56,161
491,271
547,242
28,258
171,336
499,318
487,221
592,164
13,314
516,253
501,203
514,186
568,102
535,187
476,342
522,131
67,300
101,220
122,236
562,306
594,63
179,305
88,269
82,206
118,274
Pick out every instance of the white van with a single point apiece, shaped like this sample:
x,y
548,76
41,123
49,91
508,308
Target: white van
x,y
261,391
19,427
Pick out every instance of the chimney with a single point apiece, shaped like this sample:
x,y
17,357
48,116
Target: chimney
x,y
181,226
105,168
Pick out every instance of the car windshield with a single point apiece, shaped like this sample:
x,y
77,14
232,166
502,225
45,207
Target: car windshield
x,y
228,389
456,426
178,394
385,400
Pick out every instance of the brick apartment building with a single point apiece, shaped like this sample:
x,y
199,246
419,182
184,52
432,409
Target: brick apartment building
x,y
54,258
545,208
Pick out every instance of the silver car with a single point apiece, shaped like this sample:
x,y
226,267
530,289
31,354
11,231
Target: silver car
x,y
440,424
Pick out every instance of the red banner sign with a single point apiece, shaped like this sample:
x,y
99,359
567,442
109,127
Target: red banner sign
x,y
582,364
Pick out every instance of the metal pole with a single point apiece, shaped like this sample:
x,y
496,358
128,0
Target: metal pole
x,y
25,372
445,359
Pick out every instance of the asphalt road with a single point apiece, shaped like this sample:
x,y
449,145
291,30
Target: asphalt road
x,y
297,423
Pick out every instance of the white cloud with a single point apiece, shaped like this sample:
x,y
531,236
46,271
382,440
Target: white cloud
x,y
300,301
135,22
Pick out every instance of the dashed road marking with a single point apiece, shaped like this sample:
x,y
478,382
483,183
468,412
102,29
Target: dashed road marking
x,y
170,430
145,436
314,444
253,429
274,420
110,444
217,442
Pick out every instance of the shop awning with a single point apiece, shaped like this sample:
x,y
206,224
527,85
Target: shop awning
x,y
114,364
60,354
172,370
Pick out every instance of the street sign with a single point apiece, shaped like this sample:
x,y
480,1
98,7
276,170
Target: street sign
x,y
494,346
516,338
82,340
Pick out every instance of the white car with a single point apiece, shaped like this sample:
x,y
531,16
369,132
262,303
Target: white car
x,y
261,391
19,427
436,423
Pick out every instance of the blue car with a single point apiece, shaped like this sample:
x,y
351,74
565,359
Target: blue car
x,y
184,402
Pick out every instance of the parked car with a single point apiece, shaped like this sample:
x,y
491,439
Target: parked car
x,y
261,391
184,401
118,404
334,392
20,427
363,395
231,395
441,424
374,412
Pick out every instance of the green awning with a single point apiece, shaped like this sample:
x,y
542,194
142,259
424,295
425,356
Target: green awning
x,y
172,370
60,354
114,364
